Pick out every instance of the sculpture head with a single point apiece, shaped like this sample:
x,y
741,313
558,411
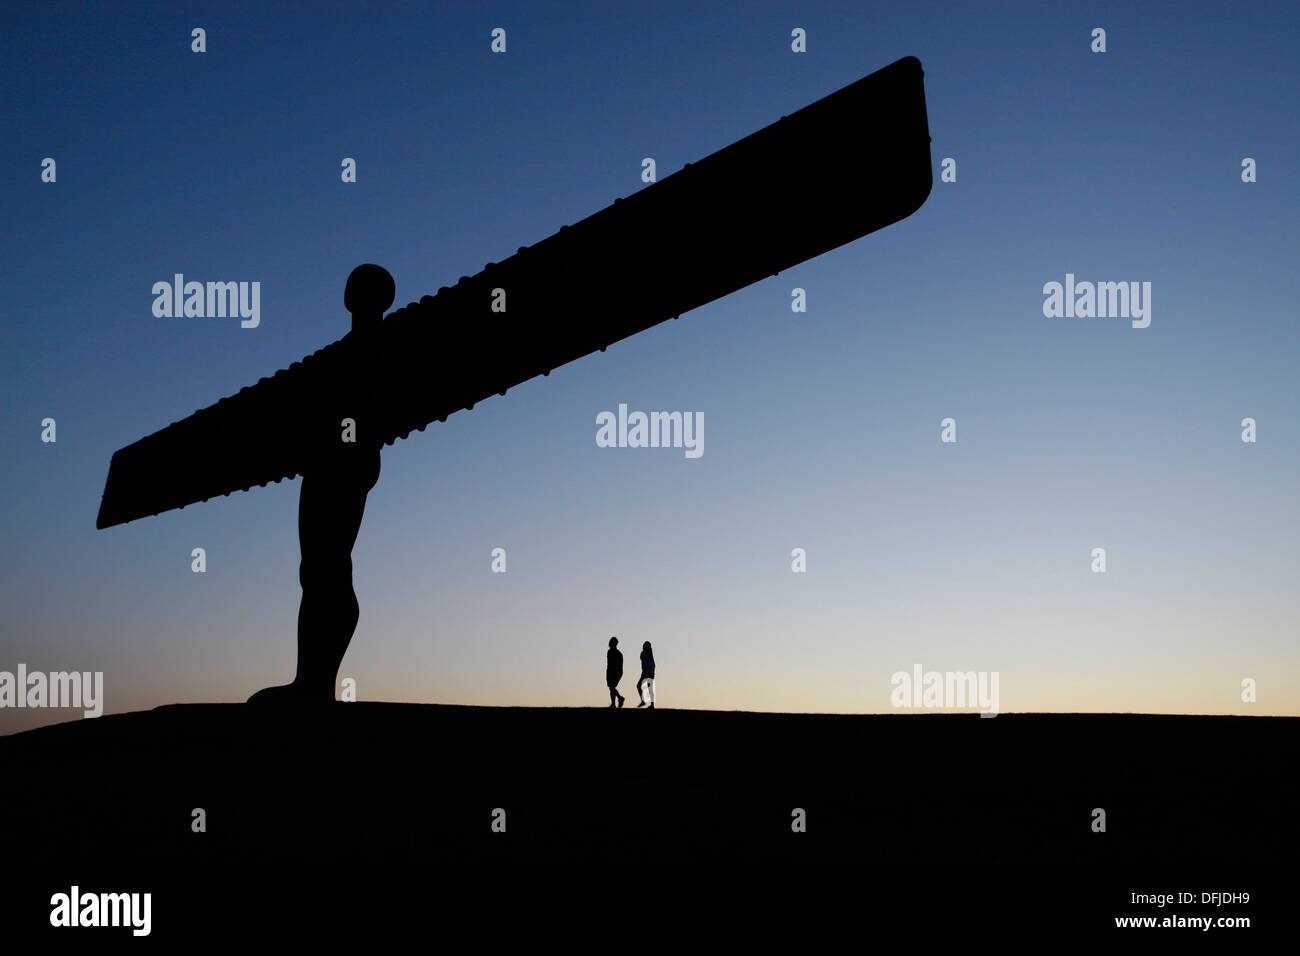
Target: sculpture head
x,y
369,293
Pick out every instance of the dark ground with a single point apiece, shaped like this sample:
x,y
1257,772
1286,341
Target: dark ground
x,y
415,785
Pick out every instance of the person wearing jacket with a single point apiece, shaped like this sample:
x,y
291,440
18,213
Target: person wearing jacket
x,y
614,672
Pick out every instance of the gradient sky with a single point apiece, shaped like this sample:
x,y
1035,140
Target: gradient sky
x,y
821,429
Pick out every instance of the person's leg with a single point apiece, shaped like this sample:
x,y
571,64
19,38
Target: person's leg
x,y
613,697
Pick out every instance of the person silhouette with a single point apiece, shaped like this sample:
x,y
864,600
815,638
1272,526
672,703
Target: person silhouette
x,y
614,673
647,675
335,482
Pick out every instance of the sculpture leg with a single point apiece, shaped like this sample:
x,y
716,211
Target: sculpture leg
x,y
330,506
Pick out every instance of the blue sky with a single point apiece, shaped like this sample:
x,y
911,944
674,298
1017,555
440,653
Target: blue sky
x,y
821,428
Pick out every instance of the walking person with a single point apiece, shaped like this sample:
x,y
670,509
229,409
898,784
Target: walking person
x,y
647,675
614,673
